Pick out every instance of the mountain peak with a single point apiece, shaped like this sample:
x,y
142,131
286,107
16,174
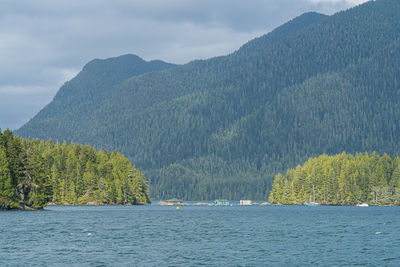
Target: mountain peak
x,y
285,30
113,62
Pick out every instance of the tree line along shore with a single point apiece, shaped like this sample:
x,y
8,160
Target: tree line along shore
x,y
34,173
342,179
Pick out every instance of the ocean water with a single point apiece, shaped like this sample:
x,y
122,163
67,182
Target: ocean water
x,y
155,235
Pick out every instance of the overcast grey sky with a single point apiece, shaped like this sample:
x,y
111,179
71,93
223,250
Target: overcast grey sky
x,y
44,43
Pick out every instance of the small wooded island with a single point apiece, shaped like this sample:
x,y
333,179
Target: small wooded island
x,y
341,180
34,173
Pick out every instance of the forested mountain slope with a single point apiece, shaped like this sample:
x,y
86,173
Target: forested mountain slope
x,y
224,127
71,109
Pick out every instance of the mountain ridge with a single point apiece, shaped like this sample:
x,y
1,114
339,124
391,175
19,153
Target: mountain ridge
x,y
223,127
92,86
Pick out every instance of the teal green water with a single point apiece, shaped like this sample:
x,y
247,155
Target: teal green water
x,y
212,236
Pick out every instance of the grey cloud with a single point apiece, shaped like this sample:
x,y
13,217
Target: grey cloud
x,y
13,111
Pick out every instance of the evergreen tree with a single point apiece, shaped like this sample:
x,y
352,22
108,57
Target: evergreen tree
x,y
340,180
34,173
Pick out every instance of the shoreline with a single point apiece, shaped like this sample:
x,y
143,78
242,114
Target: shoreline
x,y
91,205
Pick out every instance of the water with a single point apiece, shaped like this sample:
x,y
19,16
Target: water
x,y
212,236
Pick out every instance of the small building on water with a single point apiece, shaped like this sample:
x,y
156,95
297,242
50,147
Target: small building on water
x,y
245,203
221,202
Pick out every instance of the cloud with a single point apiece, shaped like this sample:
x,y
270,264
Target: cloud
x,y
19,103
44,43
349,2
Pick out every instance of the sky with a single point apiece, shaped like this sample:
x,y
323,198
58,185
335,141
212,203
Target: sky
x,y
44,43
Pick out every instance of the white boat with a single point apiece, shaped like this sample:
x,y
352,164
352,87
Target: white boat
x,y
362,205
312,203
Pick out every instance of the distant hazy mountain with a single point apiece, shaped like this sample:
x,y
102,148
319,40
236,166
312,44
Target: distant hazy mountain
x,y
223,127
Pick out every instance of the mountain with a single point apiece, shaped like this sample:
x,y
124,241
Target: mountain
x,y
73,104
223,127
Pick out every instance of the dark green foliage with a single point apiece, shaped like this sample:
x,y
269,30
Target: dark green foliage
x,y
12,175
34,172
7,188
341,180
79,174
224,127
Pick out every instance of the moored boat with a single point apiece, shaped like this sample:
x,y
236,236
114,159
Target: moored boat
x,y
312,204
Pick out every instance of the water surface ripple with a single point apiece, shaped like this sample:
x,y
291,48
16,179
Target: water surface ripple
x,y
212,236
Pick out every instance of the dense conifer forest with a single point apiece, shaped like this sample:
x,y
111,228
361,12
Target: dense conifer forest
x,y
341,180
224,127
34,173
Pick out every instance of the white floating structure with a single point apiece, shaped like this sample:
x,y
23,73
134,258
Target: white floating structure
x,y
246,203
